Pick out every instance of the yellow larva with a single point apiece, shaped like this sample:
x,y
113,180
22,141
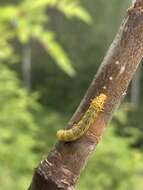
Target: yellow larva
x,y
86,121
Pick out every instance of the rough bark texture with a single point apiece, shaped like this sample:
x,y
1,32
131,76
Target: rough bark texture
x,y
62,168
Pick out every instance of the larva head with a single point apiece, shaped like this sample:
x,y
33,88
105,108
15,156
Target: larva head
x,y
98,102
61,134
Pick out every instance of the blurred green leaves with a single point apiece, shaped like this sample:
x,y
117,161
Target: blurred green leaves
x,y
57,53
29,20
71,8
17,129
27,131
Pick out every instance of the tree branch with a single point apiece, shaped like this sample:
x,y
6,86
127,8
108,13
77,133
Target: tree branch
x,y
62,168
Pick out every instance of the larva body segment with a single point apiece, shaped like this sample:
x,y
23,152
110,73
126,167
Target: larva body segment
x,y
79,129
86,121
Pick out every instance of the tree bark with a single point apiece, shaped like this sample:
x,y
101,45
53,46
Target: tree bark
x,y
62,167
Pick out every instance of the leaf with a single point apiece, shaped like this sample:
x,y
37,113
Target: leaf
x,y
82,14
7,13
73,9
42,3
57,52
23,30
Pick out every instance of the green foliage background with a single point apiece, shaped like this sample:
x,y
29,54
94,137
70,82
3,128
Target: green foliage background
x,y
74,35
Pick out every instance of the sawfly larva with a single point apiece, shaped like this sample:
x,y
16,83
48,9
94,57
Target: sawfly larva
x,y
87,120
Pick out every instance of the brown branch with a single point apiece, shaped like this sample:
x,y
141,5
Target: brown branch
x,y
62,168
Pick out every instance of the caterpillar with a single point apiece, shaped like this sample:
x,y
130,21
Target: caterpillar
x,y
87,120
